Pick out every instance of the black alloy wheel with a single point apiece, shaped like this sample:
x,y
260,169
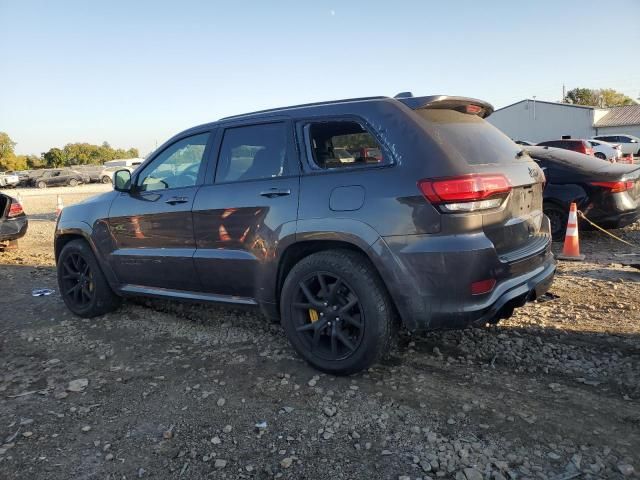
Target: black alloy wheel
x,y
328,316
77,282
82,283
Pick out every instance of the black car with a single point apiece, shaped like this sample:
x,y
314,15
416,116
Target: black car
x,y
59,177
13,221
607,193
444,231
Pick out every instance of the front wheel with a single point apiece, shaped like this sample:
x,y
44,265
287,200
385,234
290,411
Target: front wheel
x,y
106,179
73,182
82,284
336,312
41,184
600,155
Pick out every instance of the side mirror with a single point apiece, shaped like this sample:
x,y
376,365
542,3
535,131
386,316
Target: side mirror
x,y
122,181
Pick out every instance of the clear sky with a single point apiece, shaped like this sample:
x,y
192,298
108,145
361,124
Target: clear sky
x,y
135,72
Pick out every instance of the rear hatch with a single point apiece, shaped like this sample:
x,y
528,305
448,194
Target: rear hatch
x,y
513,182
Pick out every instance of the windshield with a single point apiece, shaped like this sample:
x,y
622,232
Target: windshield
x,y
474,139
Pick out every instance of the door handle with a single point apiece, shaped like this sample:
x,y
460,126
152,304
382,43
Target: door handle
x,y
176,200
276,192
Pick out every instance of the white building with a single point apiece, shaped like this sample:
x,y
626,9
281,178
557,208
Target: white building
x,y
537,121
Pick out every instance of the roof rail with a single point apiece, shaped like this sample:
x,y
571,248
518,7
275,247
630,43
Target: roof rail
x,y
303,105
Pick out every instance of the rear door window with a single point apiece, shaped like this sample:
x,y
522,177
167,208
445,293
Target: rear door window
x,y
253,152
473,138
342,144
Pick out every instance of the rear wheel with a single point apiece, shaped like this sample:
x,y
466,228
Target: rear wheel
x,y
73,182
82,284
600,155
558,217
336,312
41,184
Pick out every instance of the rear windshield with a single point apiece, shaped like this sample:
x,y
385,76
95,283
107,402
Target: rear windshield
x,y
474,139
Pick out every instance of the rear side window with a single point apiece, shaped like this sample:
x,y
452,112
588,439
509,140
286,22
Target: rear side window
x,y
471,137
252,152
342,144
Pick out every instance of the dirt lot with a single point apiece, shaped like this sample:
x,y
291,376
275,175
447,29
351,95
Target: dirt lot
x,y
162,390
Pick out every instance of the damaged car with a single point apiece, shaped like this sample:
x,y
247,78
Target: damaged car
x,y
13,220
438,224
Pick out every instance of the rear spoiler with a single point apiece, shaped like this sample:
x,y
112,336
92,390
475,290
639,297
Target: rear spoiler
x,y
462,104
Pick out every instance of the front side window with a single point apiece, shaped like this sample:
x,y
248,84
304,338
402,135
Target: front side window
x,y
342,143
176,167
252,152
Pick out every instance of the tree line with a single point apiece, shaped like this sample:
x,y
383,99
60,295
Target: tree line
x,y
599,97
70,155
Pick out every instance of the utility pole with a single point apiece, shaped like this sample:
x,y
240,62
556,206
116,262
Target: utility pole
x,y
534,107
564,93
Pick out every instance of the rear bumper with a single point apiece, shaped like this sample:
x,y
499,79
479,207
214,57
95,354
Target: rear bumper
x,y
13,229
430,277
615,220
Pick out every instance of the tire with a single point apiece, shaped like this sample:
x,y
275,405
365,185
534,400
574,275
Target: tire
x,y
73,182
41,184
558,217
368,325
600,155
82,284
106,179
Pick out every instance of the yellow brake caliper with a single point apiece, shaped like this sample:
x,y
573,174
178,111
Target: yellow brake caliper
x,y
313,315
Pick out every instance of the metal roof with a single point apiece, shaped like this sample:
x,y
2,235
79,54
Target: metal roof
x,y
619,116
558,104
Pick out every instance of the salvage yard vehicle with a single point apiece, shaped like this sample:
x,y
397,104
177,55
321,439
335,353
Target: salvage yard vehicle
x,y
580,146
605,150
608,194
9,180
13,221
445,231
59,177
630,144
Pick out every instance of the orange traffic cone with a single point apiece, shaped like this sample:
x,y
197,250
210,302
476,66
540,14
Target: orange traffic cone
x,y
59,206
571,249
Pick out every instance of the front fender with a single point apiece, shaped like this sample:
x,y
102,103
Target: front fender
x,y
66,230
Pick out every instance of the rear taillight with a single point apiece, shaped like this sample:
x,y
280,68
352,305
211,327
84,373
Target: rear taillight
x,y
588,151
467,193
15,209
614,187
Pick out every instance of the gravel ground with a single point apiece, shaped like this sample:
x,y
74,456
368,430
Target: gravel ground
x,y
171,390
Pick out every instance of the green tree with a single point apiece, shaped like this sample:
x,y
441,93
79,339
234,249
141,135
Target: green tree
x,y
35,161
8,159
86,154
55,158
611,98
581,96
604,97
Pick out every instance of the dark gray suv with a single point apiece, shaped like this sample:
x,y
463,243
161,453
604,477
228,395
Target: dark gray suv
x,y
441,227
